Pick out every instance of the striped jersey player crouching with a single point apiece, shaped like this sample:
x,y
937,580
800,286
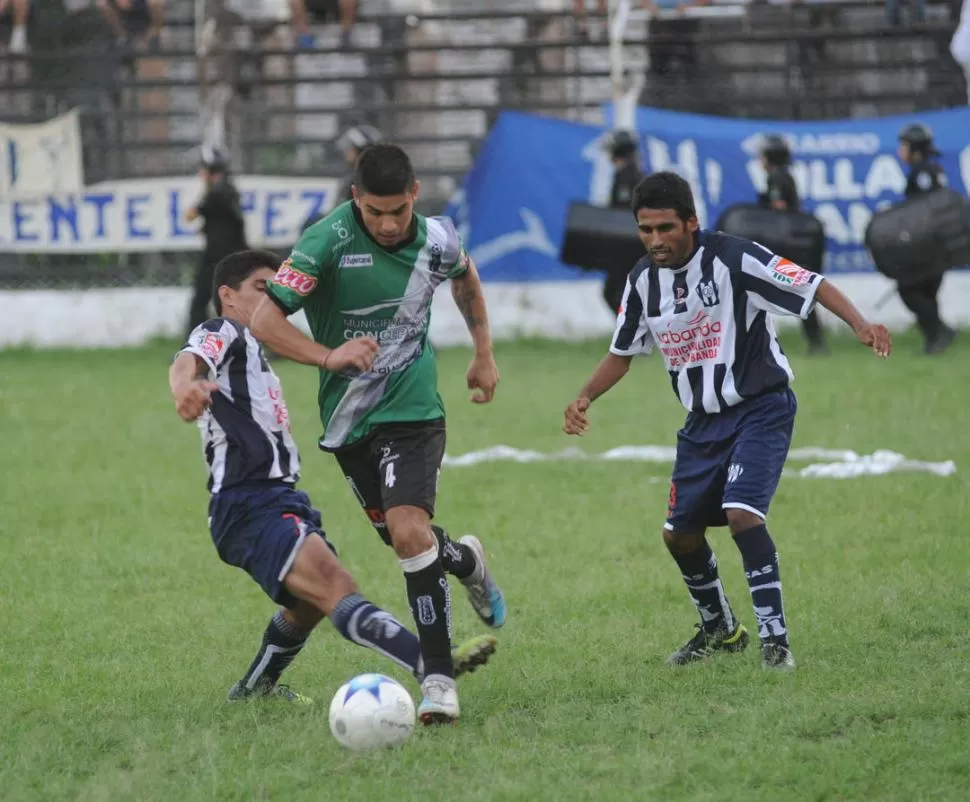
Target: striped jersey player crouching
x,y
704,300
259,521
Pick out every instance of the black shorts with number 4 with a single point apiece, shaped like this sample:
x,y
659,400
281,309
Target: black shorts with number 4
x,y
396,466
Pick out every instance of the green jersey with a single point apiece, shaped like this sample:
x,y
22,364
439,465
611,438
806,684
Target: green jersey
x,y
349,286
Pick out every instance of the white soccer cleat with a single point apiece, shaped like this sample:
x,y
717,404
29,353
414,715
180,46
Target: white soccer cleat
x,y
484,595
440,702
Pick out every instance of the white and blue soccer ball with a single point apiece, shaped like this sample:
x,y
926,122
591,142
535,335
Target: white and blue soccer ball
x,y
371,712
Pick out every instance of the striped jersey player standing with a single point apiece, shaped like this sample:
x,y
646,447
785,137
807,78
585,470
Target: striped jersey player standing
x,y
259,521
704,300
365,277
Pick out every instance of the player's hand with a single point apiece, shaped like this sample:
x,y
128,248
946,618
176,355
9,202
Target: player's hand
x,y
193,398
482,376
576,420
359,354
877,338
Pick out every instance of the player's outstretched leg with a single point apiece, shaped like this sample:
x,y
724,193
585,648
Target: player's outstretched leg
x,y
719,630
430,598
761,569
466,561
283,640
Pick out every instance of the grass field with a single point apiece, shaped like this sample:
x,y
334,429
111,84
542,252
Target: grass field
x,y
123,631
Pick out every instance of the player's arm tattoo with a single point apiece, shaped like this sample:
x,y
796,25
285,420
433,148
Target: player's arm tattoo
x,y
469,300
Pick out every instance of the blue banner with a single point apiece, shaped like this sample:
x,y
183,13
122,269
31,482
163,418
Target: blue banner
x,y
512,206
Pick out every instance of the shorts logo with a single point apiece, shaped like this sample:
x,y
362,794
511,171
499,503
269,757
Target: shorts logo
x,y
734,472
672,500
212,346
785,272
426,613
357,260
292,279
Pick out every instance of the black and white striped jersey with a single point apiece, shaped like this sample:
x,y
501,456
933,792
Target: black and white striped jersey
x,y
711,319
246,431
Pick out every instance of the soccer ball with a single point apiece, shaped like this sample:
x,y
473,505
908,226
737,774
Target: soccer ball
x,y
371,711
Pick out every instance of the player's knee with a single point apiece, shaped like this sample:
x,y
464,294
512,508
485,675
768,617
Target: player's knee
x,y
742,520
682,542
410,530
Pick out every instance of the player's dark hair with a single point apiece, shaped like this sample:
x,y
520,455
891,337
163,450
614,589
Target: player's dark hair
x,y
384,170
234,269
664,190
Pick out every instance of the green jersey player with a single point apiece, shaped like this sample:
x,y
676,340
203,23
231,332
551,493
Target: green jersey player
x,y
365,276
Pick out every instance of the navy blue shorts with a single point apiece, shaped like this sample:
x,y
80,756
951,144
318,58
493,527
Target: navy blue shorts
x,y
260,528
732,459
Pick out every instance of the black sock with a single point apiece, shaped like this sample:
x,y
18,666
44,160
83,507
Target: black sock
x,y
699,569
365,624
282,642
456,558
430,599
761,568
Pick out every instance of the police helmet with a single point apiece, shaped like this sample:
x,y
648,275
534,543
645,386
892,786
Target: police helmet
x,y
621,144
775,149
919,137
214,158
359,136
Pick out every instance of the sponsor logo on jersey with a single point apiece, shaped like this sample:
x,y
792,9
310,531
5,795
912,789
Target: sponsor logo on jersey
x,y
357,260
697,328
292,279
295,254
212,346
785,272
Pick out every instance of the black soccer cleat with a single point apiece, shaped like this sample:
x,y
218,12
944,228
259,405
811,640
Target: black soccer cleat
x,y
705,643
267,690
776,656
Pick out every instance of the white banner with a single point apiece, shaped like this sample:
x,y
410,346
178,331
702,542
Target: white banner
x,y
41,159
149,215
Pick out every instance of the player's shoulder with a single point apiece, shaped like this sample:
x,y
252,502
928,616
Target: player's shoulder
x,y
731,250
326,238
441,232
640,271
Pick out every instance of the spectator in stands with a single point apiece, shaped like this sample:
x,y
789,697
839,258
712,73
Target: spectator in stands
x,y
224,229
917,11
579,7
15,13
960,44
137,23
342,11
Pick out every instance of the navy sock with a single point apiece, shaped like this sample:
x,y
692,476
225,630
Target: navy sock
x,y
699,570
761,569
367,625
456,558
281,644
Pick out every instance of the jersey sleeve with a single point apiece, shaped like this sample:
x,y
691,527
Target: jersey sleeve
x,y
454,257
212,342
632,335
301,273
778,285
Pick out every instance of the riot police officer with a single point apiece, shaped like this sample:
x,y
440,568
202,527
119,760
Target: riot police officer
x,y
916,149
224,227
781,194
623,149
351,142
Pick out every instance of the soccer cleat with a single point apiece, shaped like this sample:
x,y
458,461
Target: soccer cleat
x,y
440,702
266,690
705,643
473,653
774,655
484,595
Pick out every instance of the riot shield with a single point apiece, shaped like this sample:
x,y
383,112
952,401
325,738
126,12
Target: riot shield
x,y
601,239
922,237
797,236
